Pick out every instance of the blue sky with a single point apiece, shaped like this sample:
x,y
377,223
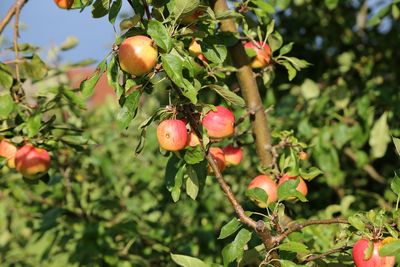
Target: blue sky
x,y
46,25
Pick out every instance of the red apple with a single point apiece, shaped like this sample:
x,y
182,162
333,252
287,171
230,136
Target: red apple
x,y
64,4
263,54
219,158
192,17
376,260
301,187
172,134
233,155
32,162
137,55
8,151
267,184
220,123
193,139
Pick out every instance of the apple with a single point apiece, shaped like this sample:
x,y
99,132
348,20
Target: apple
x,y
195,50
32,162
233,155
267,184
8,151
137,55
192,16
219,123
218,157
64,4
375,260
263,54
193,139
303,155
172,134
301,187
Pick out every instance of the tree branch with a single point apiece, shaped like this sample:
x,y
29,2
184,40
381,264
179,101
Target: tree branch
x,y
11,12
249,88
323,255
298,226
146,9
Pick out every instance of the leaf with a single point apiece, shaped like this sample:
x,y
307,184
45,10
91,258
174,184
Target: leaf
x,y
114,10
395,184
377,18
396,142
181,7
87,86
291,70
331,4
294,247
228,95
231,227
380,137
235,249
286,263
113,76
33,67
215,53
275,41
192,183
286,49
390,249
6,78
159,34
391,231
129,109
266,7
173,176
356,222
194,155
369,250
74,98
187,261
288,189
258,195
100,8
33,125
69,43
6,104
310,173
309,89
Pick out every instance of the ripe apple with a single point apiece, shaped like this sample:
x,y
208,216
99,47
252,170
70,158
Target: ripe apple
x,y
172,134
220,123
233,155
219,158
263,54
193,139
301,187
376,260
8,151
303,155
137,55
267,184
32,162
192,17
64,4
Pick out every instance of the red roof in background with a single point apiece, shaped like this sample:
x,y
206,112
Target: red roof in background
x,y
102,90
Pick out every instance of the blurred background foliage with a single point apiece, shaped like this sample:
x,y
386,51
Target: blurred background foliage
x,y
106,206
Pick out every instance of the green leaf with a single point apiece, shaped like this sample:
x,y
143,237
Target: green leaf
x,y
291,70
182,7
87,86
235,249
390,249
380,137
33,67
357,222
76,99
6,104
194,155
100,8
288,189
160,35
310,173
266,7
113,76
6,78
309,89
286,263
187,261
174,176
275,41
114,10
286,49
231,227
69,43
33,125
391,231
294,247
396,142
192,183
129,109
298,63
377,18
258,195
228,95
395,184
369,250
215,53
331,4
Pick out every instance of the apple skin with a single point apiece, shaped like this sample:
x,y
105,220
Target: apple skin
x,y
219,158
193,139
301,187
64,4
192,17
137,55
8,151
376,260
268,185
233,155
172,134
195,50
32,162
220,123
263,54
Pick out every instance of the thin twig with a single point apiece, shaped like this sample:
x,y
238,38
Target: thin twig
x,y
10,13
18,7
323,255
146,9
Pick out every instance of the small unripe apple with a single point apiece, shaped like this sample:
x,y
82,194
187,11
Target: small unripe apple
x,y
219,123
137,55
192,17
303,155
267,184
193,139
172,134
64,4
195,50
375,260
218,157
233,155
301,187
8,151
32,162
263,54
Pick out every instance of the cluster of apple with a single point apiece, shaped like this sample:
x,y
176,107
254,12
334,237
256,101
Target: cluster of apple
x,y
30,161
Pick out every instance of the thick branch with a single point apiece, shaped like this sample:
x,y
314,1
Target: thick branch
x,y
249,88
10,13
327,253
298,226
